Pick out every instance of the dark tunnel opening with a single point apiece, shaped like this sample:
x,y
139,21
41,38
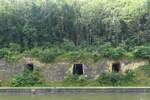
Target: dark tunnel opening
x,y
78,69
30,66
116,67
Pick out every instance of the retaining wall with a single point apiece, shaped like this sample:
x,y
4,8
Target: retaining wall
x,y
64,90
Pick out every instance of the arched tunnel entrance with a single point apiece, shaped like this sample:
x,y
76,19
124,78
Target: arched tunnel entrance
x,y
30,66
78,69
116,67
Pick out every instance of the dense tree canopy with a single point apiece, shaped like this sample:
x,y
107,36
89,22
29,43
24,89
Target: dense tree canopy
x,y
32,23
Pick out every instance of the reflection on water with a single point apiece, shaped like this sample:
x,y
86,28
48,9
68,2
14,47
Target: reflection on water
x,y
81,97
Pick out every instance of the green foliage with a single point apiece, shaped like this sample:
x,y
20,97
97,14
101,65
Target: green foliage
x,y
3,52
9,55
109,79
53,30
74,30
72,53
44,55
27,78
117,79
14,47
75,80
114,53
129,78
143,73
142,52
105,79
68,45
48,55
145,70
30,23
74,56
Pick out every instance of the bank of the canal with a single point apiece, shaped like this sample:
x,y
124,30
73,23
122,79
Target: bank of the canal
x,y
72,90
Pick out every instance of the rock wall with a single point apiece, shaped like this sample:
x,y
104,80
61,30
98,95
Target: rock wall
x,y
57,71
8,70
127,64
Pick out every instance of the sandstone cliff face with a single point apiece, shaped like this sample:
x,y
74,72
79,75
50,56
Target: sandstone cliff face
x,y
8,70
127,64
56,72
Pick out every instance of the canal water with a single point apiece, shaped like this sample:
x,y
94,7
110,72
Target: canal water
x,y
81,97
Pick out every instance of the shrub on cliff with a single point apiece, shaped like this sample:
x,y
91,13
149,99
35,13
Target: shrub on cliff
x,y
9,55
114,53
75,80
142,52
27,78
45,55
117,79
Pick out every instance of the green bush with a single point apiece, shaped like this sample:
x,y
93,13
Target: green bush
x,y
96,56
15,47
70,53
130,76
68,45
48,55
109,79
33,52
44,55
27,78
74,55
75,80
113,53
117,79
3,52
142,52
9,55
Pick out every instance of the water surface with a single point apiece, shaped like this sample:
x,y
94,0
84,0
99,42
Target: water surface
x,y
81,97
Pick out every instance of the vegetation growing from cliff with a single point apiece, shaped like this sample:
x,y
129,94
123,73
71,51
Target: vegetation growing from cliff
x,y
117,79
58,54
72,30
138,77
27,78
